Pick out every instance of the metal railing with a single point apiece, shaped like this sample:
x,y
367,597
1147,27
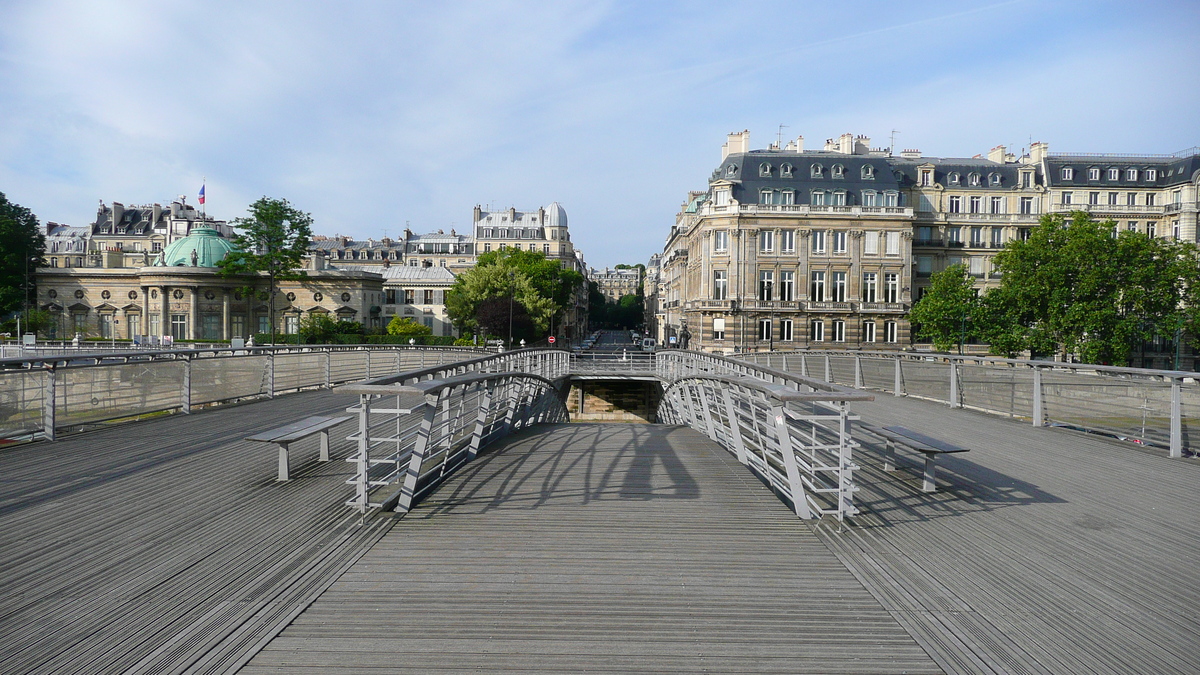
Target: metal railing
x,y
1149,407
414,432
796,439
43,395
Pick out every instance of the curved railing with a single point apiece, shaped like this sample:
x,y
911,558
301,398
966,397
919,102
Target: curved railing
x,y
795,435
1150,407
415,430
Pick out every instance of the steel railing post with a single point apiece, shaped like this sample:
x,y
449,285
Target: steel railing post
x,y
898,384
50,405
828,370
1176,417
954,402
783,437
185,390
362,462
735,426
858,376
271,374
1038,413
408,493
328,369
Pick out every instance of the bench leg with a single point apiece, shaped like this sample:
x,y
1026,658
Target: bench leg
x,y
889,457
929,483
283,462
325,446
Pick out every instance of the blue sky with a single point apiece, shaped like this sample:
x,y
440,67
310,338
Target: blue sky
x,y
374,115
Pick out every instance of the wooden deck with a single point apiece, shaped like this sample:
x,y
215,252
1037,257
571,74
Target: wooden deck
x,y
166,546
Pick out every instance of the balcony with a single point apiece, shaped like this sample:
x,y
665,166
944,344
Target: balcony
x,y
927,242
831,307
1119,209
814,210
883,307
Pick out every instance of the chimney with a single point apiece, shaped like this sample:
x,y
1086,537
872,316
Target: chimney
x,y
478,213
50,225
846,144
997,154
1038,151
118,212
739,141
862,145
512,214
911,154
799,144
157,214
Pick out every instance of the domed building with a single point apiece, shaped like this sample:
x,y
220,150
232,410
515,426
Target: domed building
x,y
181,295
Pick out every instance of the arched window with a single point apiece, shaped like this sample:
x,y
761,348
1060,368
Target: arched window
x,y
731,170
868,172
973,179
953,178
785,171
764,169
838,171
994,179
818,198
816,170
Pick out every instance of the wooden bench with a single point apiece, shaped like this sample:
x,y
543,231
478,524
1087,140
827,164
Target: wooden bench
x,y
294,432
932,448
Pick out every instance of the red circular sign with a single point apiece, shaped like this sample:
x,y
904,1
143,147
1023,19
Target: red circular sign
x,y
551,339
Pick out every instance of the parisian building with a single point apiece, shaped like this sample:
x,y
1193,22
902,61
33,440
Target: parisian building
x,y
828,248
614,283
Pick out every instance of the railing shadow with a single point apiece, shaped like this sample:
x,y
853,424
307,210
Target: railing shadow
x,y
564,466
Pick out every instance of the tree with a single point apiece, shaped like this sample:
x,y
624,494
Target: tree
x,y
947,308
541,287
274,241
1078,287
406,326
22,245
318,328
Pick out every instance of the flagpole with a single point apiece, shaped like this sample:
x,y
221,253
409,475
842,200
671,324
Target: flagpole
x,y
203,206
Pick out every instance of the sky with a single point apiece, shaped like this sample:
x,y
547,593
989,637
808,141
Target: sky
x,y
376,116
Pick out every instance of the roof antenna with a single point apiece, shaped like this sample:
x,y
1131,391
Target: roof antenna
x,y
779,136
892,148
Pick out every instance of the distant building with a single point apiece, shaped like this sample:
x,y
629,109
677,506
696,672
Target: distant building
x,y
418,293
614,283
124,236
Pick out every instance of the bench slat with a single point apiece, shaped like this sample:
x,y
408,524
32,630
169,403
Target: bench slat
x,y
298,430
931,444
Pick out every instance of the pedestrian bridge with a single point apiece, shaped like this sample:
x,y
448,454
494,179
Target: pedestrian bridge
x,y
167,545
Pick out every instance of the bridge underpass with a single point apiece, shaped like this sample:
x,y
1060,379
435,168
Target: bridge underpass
x,y
167,546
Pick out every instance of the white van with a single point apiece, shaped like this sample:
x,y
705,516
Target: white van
x,y
648,344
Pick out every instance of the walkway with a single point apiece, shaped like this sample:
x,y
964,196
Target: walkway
x,y
598,548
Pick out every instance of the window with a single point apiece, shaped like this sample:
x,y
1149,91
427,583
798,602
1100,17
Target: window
x,y
818,198
839,241
787,197
428,297
1149,199
956,204
1067,198
868,331
926,177
1131,174
1093,198
973,179
721,240
976,204
924,265
1175,230
815,170
487,248
1026,205
719,328
997,237
1130,199
953,178
870,280
818,241
839,198
997,204
839,287
1151,174
764,170
889,332
785,330
720,285
764,329
766,285
766,196
1114,174
816,291
766,241
976,236
994,179
787,241
892,242
838,171
818,331
976,266
891,289
839,331
1093,174
1026,179
1068,173
390,296
871,242
1132,226
1112,198
179,326
787,286
721,197
409,296
868,198
868,172
1151,229
954,236
785,171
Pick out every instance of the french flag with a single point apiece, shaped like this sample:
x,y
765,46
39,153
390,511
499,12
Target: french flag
x,y
201,194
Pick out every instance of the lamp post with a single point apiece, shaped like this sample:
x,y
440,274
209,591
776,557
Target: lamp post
x,y
510,308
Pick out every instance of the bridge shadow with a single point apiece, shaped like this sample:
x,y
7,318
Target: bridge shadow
x,y
577,463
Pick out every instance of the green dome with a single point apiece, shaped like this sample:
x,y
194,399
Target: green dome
x,y
206,243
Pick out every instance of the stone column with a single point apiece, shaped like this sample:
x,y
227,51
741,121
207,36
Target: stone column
x,y
194,312
225,330
164,321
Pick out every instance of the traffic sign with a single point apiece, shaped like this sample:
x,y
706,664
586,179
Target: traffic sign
x,y
551,339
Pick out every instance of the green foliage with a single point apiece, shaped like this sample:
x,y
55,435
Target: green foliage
x,y
625,313
948,308
407,327
542,287
345,327
1073,286
317,328
22,245
274,239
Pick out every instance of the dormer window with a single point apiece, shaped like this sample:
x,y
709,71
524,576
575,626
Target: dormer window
x,y
838,171
1114,174
973,179
816,170
1131,174
994,179
1093,173
764,170
868,172
785,171
1068,173
1151,174
953,178
731,170
818,198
